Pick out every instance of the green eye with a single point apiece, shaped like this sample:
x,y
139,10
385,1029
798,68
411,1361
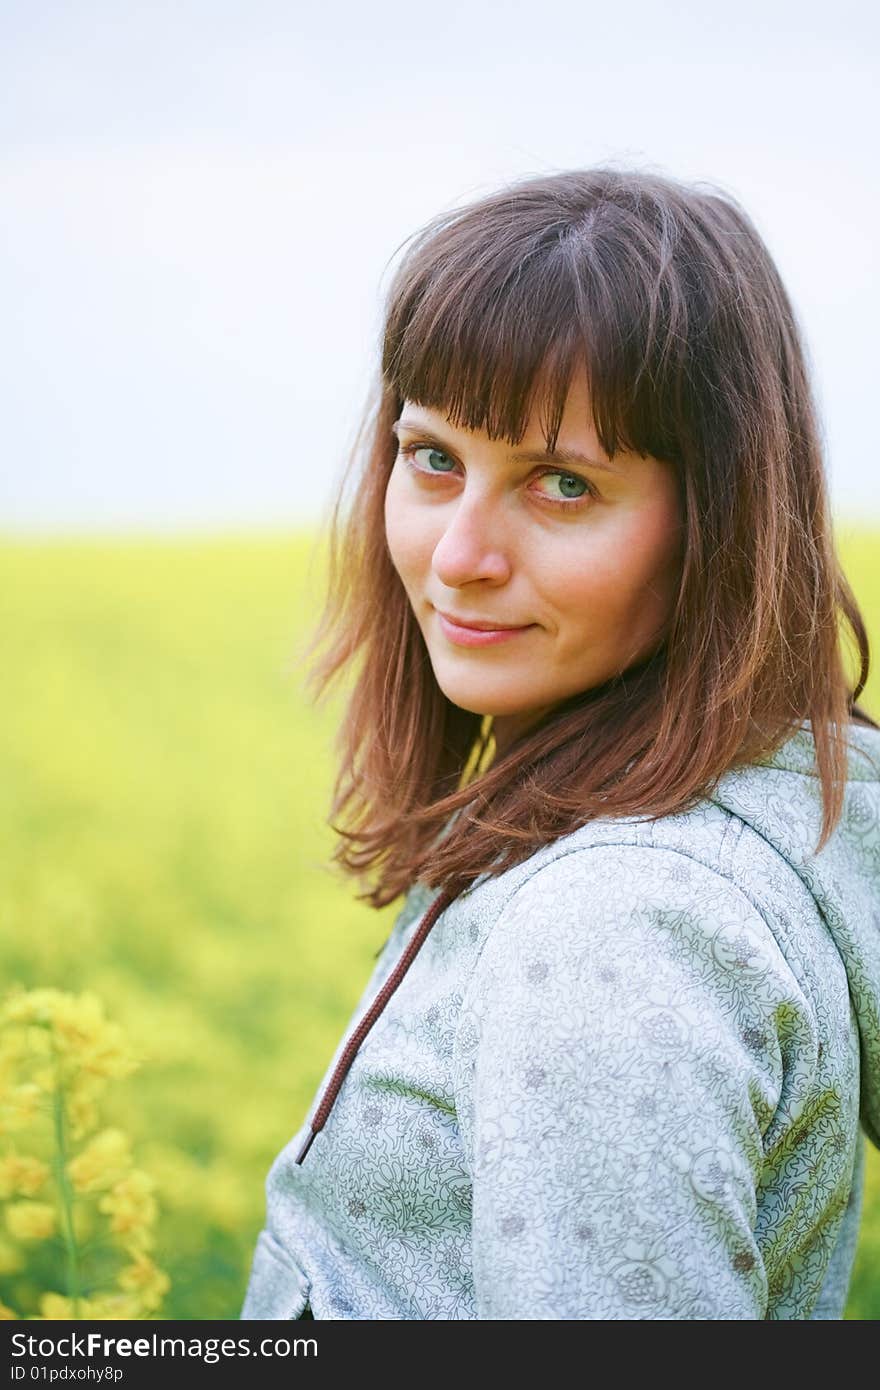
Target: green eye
x,y
432,455
567,481
573,490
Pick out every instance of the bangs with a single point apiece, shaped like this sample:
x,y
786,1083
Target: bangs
x,y
487,332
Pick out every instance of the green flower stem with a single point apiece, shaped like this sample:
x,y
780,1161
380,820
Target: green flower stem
x,y
65,1190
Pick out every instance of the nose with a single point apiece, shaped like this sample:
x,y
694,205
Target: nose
x,y
471,546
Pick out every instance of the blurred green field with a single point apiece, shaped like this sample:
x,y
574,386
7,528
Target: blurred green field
x,y
163,788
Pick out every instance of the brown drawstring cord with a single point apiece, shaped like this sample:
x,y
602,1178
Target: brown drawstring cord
x,y
369,1018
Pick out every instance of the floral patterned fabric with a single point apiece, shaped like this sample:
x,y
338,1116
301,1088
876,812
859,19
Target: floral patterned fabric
x,y
629,1078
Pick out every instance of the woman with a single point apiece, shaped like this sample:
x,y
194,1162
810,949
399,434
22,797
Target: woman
x,y
603,738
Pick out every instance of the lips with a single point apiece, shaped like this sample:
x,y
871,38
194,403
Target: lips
x,y
478,625
490,635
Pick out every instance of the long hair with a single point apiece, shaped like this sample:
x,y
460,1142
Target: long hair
x,y
667,296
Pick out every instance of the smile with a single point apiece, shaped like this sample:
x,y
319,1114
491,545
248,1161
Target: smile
x,y
477,637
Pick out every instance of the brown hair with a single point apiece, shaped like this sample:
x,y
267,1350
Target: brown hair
x,y
668,297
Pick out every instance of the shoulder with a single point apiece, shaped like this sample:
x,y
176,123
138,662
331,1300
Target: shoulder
x,y
703,871
634,938
666,907
634,966
634,959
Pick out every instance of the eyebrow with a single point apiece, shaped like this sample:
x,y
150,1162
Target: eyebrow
x,y
571,457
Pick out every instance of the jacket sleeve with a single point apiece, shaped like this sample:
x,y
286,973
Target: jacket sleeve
x,y
618,1060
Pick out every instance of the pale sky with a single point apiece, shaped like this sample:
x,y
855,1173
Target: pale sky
x,y
202,202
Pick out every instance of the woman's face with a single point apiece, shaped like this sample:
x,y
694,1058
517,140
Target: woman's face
x,y
580,556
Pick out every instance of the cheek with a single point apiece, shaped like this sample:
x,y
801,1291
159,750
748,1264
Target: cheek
x,y
624,573
395,527
648,574
404,531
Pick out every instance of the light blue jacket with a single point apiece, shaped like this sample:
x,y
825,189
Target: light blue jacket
x,y
622,1080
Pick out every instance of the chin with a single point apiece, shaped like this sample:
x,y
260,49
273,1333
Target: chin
x,y
482,697
484,703
472,706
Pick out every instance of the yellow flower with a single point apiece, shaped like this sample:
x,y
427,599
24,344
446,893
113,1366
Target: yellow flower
x,y
143,1278
13,1048
11,1258
131,1207
11,1041
29,1005
110,1306
6,1313
81,1109
103,1162
19,1107
55,1305
21,1174
30,1220
80,1031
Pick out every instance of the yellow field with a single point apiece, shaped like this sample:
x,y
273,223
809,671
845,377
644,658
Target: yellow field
x,y
163,787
